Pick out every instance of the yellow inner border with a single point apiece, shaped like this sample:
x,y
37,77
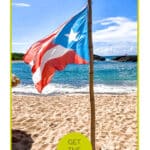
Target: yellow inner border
x,y
10,5
138,76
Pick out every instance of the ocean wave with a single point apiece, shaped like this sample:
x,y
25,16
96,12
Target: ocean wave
x,y
68,89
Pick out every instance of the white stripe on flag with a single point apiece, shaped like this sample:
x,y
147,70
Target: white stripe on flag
x,y
52,53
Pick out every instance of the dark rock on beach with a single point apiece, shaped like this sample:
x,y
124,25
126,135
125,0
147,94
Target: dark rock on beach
x,y
21,140
132,58
15,80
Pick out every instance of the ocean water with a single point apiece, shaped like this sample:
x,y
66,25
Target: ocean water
x,y
109,77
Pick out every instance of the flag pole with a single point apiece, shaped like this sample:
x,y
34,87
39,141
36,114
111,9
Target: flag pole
x,y
92,101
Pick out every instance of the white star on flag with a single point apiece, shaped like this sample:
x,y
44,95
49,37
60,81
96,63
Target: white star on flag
x,y
72,36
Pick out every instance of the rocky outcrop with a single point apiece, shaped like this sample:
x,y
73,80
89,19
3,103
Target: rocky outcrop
x,y
100,58
15,80
126,58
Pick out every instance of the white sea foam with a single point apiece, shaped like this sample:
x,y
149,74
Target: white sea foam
x,y
63,89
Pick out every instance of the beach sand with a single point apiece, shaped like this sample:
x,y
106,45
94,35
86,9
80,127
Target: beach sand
x,y
38,122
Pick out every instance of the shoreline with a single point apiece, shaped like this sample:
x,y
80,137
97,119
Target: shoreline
x,y
17,61
71,94
54,89
45,119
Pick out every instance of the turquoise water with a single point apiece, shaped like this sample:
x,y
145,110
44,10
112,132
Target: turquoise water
x,y
109,77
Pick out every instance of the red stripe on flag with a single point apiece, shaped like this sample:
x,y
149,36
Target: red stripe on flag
x,y
35,48
39,56
57,64
69,58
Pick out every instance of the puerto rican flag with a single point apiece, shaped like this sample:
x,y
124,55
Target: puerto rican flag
x,y
67,45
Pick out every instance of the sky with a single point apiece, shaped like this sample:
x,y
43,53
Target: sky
x,y
114,23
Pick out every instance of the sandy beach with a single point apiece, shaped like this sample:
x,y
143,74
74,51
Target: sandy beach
x,y
38,122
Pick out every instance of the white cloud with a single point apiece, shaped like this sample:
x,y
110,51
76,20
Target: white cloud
x,y
116,36
20,46
117,29
21,4
120,48
19,43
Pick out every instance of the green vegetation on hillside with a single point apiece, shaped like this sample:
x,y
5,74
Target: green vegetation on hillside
x,y
17,56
